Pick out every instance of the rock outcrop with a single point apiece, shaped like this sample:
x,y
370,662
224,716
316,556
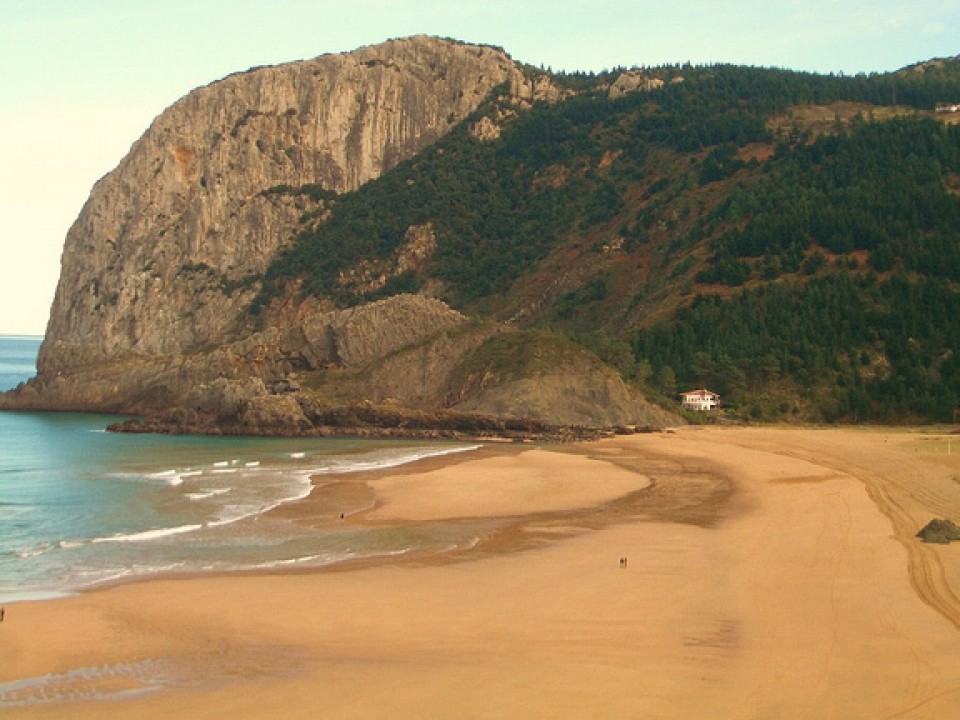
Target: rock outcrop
x,y
940,531
594,399
633,81
355,337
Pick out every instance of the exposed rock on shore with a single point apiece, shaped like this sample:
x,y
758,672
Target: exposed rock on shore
x,y
940,531
299,415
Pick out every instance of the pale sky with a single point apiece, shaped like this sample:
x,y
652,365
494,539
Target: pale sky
x,y
82,79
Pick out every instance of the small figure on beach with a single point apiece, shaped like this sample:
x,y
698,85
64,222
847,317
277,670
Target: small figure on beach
x,y
623,562
3,611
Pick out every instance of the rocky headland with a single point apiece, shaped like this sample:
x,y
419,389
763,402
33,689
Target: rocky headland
x,y
151,315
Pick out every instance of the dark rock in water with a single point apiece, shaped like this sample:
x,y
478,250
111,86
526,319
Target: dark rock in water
x,y
939,531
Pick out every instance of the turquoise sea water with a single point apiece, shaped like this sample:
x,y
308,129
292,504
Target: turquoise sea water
x,y
80,506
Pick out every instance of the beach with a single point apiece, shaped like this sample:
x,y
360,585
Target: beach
x,y
770,572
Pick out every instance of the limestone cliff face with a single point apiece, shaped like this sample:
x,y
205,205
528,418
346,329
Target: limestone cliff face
x,y
156,262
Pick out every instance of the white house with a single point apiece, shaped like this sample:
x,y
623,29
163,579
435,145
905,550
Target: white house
x,y
701,400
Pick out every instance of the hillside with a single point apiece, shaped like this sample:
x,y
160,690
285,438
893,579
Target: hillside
x,y
485,237
790,240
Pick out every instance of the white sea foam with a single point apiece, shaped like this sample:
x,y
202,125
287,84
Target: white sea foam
x,y
255,463
330,558
325,559
170,477
236,512
205,494
34,551
221,463
390,460
88,578
298,455
149,534
17,595
87,684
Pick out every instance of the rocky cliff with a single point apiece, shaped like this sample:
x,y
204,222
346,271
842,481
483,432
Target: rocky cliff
x,y
159,269
161,257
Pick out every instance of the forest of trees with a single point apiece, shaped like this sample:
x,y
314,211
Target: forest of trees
x,y
868,348
877,187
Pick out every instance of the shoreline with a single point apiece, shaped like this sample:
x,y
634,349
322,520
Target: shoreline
x,y
771,573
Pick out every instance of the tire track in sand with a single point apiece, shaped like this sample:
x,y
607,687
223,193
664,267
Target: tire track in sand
x,y
890,494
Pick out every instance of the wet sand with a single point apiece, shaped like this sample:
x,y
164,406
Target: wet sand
x,y
771,573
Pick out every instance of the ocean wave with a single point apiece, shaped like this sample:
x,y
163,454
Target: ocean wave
x,y
44,547
34,551
88,684
207,493
390,460
192,518
171,477
328,558
10,594
235,512
323,559
91,578
147,535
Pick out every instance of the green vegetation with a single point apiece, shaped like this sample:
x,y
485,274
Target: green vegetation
x,y
693,234
518,355
863,348
880,187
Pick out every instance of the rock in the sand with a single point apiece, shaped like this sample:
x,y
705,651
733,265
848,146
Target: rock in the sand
x,y
939,531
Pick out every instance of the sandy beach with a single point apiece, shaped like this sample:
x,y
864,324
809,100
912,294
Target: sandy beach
x,y
771,573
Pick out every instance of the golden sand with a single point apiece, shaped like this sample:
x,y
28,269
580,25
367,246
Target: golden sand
x,y
771,573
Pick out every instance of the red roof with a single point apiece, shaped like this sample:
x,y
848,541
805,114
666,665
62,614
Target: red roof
x,y
703,394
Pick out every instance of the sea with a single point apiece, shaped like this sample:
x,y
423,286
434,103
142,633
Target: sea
x,y
80,506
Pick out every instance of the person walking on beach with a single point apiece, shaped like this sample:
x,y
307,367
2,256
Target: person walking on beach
x,y
3,611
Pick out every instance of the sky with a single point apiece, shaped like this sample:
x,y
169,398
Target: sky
x,y
81,80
